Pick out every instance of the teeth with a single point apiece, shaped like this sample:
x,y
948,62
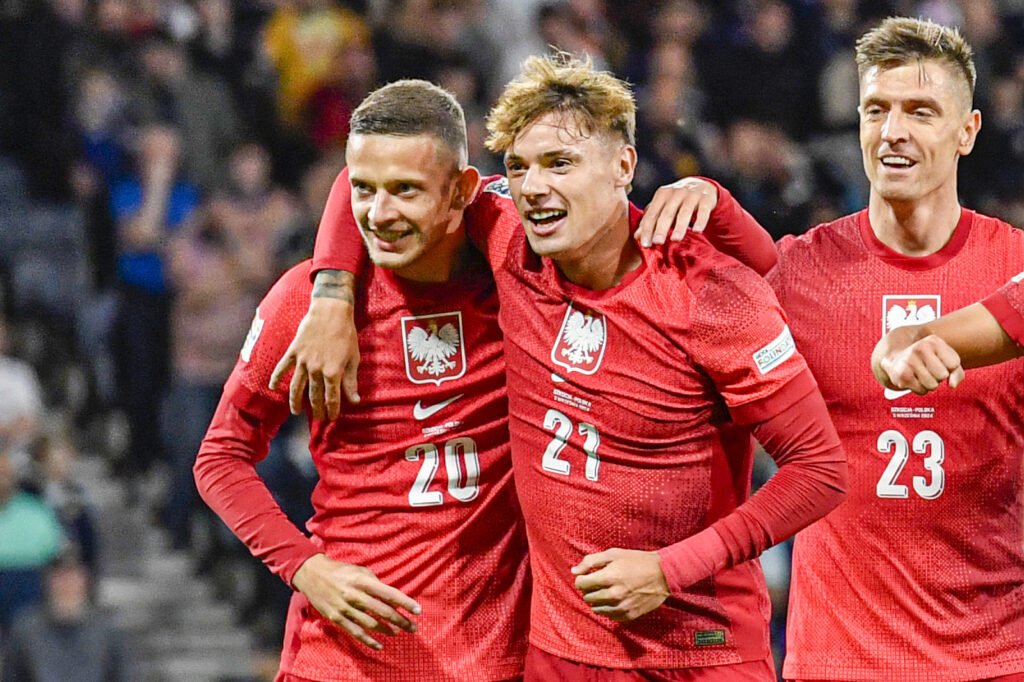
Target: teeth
x,y
897,161
389,236
539,216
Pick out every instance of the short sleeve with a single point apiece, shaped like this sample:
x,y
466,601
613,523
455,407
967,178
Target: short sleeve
x,y
739,336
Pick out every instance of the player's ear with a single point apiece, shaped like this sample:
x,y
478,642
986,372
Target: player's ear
x,y
626,164
466,184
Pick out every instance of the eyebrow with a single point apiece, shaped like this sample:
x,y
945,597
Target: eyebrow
x,y
545,156
911,103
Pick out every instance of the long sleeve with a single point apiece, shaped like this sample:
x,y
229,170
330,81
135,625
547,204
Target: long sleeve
x,y
339,245
225,473
733,231
810,482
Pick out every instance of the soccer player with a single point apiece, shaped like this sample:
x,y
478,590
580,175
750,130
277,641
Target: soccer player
x,y
919,574
415,512
635,382
919,357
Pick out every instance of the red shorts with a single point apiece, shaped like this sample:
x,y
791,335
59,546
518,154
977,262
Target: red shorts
x,y
544,667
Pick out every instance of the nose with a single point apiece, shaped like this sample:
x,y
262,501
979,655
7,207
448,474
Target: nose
x,y
895,129
382,210
534,184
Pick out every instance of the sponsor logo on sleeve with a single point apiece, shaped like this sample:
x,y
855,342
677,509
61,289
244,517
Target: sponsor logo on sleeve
x,y
499,187
255,329
776,352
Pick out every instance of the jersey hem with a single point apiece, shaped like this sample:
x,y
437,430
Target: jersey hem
x,y
990,670
678,660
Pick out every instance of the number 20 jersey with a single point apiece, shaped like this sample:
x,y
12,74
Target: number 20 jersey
x,y
416,480
919,574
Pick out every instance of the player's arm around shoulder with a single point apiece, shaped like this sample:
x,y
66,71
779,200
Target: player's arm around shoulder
x,y
696,205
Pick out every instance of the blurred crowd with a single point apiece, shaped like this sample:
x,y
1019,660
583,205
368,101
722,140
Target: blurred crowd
x,y
162,162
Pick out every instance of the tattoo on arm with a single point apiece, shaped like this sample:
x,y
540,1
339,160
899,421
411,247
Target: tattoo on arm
x,y
339,284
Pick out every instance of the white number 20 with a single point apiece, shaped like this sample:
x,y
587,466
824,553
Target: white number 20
x,y
924,442
562,426
462,488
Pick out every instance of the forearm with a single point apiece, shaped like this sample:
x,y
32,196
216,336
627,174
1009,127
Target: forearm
x,y
810,482
227,481
975,334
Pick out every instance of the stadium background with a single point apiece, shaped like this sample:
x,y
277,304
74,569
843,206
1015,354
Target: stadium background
x,y
162,162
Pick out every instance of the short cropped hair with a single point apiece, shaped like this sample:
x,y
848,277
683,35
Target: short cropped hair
x,y
413,107
901,40
597,100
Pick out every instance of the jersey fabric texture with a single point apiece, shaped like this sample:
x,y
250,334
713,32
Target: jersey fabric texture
x,y
628,410
640,446
415,481
919,574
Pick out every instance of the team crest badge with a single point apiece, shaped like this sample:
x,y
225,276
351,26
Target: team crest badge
x,y
899,311
581,341
499,187
435,349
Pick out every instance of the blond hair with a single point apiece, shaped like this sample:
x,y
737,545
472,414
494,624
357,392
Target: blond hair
x,y
597,101
900,40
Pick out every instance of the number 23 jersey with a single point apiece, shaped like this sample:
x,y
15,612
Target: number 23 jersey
x,y
919,573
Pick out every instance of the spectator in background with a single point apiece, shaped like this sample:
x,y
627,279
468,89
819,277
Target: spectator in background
x,y
21,406
67,638
148,207
31,537
55,461
199,106
220,265
304,39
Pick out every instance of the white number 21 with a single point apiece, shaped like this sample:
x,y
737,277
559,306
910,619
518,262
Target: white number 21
x,y
924,442
562,426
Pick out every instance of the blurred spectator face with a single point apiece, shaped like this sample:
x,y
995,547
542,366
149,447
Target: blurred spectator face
x,y
914,126
772,28
317,183
749,143
114,16
100,101
67,588
164,60
250,169
71,11
680,21
57,460
402,189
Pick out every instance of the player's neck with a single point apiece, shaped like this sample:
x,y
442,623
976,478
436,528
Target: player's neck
x,y
605,260
915,228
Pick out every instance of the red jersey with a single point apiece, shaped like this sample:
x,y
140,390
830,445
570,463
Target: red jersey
x,y
415,481
664,455
919,574
1007,306
627,422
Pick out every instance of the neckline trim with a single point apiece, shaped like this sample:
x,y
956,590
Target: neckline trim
x,y
899,260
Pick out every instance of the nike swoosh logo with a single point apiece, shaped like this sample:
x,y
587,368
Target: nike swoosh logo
x,y
892,395
421,412
556,378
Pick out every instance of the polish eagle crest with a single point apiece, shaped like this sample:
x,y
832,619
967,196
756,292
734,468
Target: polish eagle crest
x,y
900,311
434,347
581,340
